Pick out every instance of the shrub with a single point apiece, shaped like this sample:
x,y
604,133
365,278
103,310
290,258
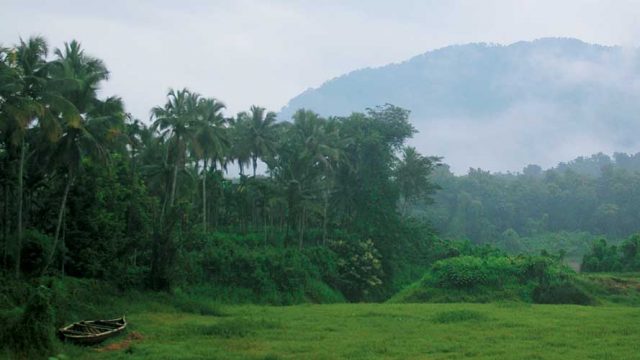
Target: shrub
x,y
475,279
601,257
465,272
243,269
359,267
31,335
34,251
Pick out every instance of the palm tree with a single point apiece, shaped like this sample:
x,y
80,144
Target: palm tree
x,y
259,134
10,85
213,141
79,136
240,150
320,153
36,99
176,121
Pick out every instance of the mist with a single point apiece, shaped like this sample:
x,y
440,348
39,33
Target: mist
x,y
502,107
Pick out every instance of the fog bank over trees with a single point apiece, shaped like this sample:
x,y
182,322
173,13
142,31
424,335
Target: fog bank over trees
x,y
501,107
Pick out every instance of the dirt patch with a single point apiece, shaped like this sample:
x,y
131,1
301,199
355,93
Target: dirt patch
x,y
133,336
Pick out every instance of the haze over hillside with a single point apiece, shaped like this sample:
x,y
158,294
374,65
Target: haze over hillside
x,y
502,107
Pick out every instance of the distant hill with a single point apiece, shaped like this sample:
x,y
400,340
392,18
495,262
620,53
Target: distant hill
x,y
502,107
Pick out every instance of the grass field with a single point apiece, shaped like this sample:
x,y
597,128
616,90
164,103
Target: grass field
x,y
381,331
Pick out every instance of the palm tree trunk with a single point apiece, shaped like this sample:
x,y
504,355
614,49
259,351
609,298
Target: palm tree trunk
x,y
264,226
302,216
174,181
6,224
64,245
324,218
23,151
204,196
404,207
255,165
63,205
173,184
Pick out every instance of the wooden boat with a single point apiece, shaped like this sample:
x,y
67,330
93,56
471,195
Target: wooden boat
x,y
92,331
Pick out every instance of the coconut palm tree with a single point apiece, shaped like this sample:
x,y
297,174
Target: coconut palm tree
x,y
240,150
213,142
36,105
177,123
259,133
80,134
321,152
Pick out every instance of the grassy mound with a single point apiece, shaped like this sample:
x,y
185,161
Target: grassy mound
x,y
495,279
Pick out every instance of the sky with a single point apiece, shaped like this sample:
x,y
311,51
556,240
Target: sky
x,y
262,52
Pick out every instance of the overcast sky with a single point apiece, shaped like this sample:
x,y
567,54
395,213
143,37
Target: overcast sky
x,y
265,52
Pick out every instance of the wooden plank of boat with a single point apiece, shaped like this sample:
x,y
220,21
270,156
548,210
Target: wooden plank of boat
x,y
92,331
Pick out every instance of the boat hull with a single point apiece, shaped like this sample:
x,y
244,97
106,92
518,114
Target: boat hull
x,y
92,331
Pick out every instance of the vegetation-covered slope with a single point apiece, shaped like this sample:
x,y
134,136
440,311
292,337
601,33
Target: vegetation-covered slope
x,y
500,107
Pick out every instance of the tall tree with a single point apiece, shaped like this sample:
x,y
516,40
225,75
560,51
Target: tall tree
x,y
80,137
412,176
259,133
177,124
36,105
213,140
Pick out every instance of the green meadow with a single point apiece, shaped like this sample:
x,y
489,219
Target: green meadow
x,y
380,331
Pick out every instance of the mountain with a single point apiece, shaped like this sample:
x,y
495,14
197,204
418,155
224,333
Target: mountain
x,y
501,107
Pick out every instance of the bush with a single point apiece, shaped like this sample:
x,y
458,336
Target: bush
x,y
359,267
36,247
601,257
608,258
9,319
465,272
31,335
473,279
242,269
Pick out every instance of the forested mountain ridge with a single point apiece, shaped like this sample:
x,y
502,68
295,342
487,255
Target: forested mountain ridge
x,y
501,107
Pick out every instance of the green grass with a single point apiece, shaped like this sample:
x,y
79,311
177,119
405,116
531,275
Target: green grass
x,y
383,331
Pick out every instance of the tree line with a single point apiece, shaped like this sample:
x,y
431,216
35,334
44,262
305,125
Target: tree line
x,y
565,207
89,190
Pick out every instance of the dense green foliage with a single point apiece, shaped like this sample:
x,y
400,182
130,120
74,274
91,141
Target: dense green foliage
x,y
603,257
558,209
497,278
88,191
